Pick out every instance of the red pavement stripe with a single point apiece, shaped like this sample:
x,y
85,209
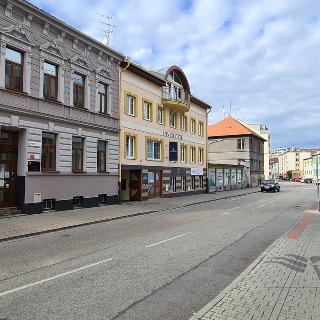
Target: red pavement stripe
x,y
295,232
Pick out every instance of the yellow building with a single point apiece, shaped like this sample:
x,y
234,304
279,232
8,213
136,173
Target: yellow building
x,y
163,134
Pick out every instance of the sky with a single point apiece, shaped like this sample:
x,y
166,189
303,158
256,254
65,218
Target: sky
x,y
261,57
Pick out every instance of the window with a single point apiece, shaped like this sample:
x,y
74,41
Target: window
x,y
77,154
193,125
48,204
102,156
103,98
200,155
14,70
160,115
183,153
193,154
78,90
48,156
103,198
173,151
201,182
184,183
241,144
200,129
172,120
173,184
50,81
130,147
153,150
147,111
193,182
183,123
77,202
130,105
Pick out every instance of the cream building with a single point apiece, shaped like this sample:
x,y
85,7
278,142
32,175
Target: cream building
x,y
307,168
292,161
163,135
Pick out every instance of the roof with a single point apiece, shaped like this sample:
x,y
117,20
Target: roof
x,y
230,127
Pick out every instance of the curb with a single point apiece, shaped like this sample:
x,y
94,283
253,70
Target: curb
x,y
198,315
84,224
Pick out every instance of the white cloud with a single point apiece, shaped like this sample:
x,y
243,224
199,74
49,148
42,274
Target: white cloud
x,y
262,55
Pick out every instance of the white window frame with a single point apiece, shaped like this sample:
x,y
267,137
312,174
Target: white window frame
x,y
160,120
242,144
201,155
201,126
183,150
183,122
131,98
192,154
153,142
147,110
174,118
131,144
193,126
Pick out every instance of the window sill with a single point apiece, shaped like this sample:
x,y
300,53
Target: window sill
x,y
158,160
17,92
131,115
50,171
149,120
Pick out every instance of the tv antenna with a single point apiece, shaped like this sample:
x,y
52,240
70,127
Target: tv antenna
x,y
107,28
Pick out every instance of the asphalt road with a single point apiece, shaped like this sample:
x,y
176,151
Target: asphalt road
x,y
166,265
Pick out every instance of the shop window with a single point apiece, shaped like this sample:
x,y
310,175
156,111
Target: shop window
x,y
103,98
102,156
14,70
78,90
173,184
173,151
193,182
50,81
77,154
48,154
184,183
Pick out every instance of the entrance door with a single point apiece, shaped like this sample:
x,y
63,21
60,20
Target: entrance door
x,y
155,184
8,168
135,185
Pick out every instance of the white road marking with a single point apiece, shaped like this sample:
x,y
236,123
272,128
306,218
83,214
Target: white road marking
x,y
228,212
2,294
163,241
263,205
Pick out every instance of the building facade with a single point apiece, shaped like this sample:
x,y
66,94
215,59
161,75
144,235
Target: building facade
x,y
163,135
307,168
292,160
316,167
59,117
231,142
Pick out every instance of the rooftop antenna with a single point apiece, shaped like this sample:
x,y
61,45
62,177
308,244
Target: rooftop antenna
x,y
107,28
230,108
224,111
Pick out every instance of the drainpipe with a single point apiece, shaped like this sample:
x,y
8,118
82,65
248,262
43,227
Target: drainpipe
x,y
128,61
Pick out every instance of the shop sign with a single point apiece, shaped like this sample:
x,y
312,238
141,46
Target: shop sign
x,y
197,171
172,135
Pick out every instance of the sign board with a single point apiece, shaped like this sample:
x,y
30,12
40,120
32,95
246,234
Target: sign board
x,y
37,197
197,171
172,135
33,156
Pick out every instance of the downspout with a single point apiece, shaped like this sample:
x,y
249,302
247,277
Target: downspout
x,y
127,60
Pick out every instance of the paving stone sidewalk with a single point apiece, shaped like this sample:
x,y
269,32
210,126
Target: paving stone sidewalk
x,y
24,225
283,283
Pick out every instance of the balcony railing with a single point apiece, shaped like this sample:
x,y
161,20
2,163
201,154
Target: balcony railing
x,y
175,95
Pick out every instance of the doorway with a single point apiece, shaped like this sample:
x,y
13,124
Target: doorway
x,y
8,168
155,184
135,185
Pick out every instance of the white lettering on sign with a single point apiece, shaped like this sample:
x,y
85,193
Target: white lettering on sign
x,y
172,135
197,171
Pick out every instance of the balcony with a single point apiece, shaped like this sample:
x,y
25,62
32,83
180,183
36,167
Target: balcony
x,y
177,99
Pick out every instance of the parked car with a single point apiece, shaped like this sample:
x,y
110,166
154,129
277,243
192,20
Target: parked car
x,y
307,180
270,185
296,179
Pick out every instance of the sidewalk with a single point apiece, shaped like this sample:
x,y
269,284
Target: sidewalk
x,y
12,227
283,283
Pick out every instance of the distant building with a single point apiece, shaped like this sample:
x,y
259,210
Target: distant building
x,y
274,168
232,143
307,168
316,166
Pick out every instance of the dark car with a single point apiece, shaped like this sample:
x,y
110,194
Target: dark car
x,y
270,185
307,180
